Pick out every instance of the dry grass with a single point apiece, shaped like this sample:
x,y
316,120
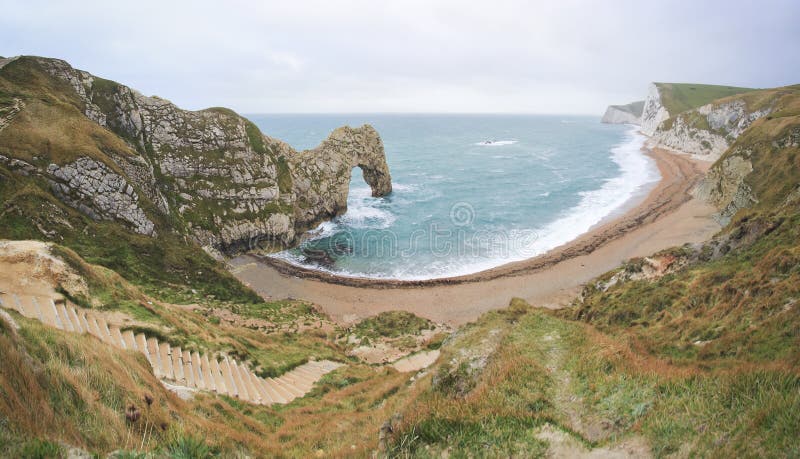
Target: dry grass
x,y
67,388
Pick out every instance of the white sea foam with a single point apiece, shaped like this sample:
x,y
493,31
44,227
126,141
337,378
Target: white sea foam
x,y
495,143
403,188
637,172
364,211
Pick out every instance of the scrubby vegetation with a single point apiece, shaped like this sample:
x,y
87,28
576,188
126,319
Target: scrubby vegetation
x,y
392,324
552,373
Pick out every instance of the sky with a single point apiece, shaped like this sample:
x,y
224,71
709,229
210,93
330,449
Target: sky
x,y
460,56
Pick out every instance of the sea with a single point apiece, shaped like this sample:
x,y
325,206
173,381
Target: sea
x,y
470,192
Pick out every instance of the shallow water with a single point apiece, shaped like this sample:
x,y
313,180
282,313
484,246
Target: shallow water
x,y
470,192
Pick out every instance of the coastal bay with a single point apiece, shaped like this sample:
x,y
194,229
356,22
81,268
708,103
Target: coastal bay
x,y
666,217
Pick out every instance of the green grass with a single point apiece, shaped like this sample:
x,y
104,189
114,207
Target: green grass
x,y
392,324
549,370
679,97
188,447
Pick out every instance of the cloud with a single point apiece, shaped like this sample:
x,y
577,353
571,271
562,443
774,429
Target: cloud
x,y
411,56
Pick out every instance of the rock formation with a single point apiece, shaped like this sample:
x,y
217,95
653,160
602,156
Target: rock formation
x,y
624,114
653,112
712,131
708,130
210,173
726,183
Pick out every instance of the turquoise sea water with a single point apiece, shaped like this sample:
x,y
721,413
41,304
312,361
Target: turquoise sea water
x,y
471,192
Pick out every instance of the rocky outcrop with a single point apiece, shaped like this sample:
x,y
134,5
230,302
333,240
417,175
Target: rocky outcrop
x,y
94,189
624,114
210,174
653,112
709,130
724,186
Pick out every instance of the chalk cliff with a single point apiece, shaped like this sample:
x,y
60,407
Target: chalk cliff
x,y
709,130
624,114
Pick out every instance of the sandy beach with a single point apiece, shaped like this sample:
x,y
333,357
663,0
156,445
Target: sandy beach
x,y
667,216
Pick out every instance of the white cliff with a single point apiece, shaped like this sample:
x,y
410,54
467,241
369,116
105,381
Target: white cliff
x,y
624,114
708,131
653,112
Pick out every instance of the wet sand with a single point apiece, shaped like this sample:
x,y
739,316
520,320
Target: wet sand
x,y
666,217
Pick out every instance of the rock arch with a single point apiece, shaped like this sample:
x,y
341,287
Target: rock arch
x,y
321,176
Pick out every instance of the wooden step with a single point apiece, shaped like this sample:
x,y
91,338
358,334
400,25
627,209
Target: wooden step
x,y
188,369
244,373
94,327
61,310
197,366
289,387
105,333
227,373
177,365
306,373
49,313
26,307
76,320
208,376
130,340
297,381
152,348
141,344
265,397
116,338
166,360
219,379
260,394
273,394
280,390
84,322
37,311
241,392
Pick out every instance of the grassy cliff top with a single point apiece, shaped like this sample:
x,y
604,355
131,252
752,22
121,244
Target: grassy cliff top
x,y
679,97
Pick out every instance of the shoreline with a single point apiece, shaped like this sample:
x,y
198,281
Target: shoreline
x,y
671,214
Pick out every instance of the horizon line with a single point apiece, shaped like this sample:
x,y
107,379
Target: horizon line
x,y
423,113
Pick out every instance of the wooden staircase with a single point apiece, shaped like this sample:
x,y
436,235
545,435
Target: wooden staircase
x,y
221,375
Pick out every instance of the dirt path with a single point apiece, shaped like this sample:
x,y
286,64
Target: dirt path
x,y
590,427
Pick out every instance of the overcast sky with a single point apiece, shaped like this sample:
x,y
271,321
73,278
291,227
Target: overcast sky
x,y
411,56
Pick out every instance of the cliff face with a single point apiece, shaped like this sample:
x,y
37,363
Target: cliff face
x,y
653,112
624,114
761,168
709,130
117,155
736,127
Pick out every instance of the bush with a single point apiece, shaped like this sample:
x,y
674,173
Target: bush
x,y
188,447
41,449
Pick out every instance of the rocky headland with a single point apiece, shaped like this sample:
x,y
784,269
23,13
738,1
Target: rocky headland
x,y
210,175
624,114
